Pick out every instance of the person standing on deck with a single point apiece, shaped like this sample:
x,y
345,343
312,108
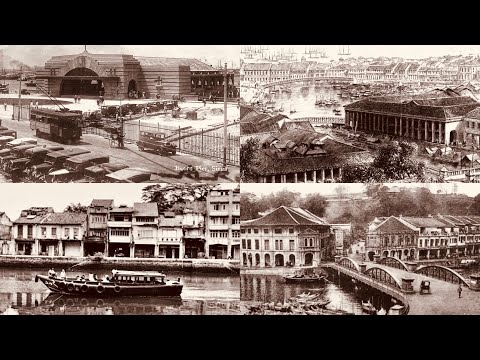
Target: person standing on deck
x,y
459,290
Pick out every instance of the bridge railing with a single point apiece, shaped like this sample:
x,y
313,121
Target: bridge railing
x,y
390,290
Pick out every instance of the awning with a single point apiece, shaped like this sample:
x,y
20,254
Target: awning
x,y
24,240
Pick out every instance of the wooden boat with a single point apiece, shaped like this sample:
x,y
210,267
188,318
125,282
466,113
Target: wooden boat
x,y
300,278
122,283
369,308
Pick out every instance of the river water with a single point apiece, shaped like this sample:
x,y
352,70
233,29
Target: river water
x,y
204,294
341,292
302,100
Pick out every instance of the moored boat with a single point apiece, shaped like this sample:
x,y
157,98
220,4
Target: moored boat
x,y
122,283
304,278
369,308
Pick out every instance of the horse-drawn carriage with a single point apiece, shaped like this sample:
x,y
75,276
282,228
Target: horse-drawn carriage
x,y
116,135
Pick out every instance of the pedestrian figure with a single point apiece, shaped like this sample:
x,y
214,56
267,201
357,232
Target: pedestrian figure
x,y
5,106
31,103
78,99
36,104
204,103
459,290
75,98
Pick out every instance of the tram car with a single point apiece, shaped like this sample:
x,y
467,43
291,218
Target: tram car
x,y
156,141
60,126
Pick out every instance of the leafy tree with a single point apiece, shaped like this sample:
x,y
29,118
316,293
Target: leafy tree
x,y
281,198
176,197
248,159
315,203
249,206
474,208
76,208
393,162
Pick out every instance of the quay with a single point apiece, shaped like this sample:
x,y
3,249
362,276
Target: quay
x,y
402,282
218,266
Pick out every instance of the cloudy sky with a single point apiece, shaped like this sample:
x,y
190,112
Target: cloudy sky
x,y
38,54
405,51
329,189
16,197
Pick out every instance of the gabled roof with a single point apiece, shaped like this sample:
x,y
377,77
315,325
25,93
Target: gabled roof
x,y
145,209
195,65
64,218
287,216
424,221
394,224
102,203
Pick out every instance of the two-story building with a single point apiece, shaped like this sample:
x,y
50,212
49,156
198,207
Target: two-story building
x,y
170,236
62,234
286,234
145,229
5,234
222,226
96,239
25,229
119,227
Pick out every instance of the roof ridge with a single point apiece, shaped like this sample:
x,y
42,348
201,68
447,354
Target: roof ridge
x,y
288,212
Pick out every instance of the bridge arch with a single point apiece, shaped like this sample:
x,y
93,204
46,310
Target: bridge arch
x,y
384,276
442,273
349,263
393,262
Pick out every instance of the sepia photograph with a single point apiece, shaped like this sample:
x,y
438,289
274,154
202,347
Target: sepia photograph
x,y
119,249
360,249
360,113
119,113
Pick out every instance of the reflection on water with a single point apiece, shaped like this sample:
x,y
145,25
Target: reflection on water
x,y
341,292
302,100
201,295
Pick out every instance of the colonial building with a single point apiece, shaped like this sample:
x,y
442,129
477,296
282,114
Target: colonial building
x,y
120,239
419,238
286,234
222,224
419,117
299,155
120,75
257,72
25,229
62,234
170,236
97,229
5,234
145,229
193,225
40,231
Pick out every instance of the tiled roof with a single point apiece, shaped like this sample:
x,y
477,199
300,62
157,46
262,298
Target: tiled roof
x,y
474,114
256,123
417,105
392,225
286,216
299,66
424,221
297,125
280,66
195,65
64,218
337,155
461,220
34,220
122,209
145,209
101,203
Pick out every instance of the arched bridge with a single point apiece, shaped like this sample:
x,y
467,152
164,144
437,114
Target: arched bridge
x,y
349,263
442,273
311,78
383,275
393,262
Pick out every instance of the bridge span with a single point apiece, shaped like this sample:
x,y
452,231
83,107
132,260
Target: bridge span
x,y
404,286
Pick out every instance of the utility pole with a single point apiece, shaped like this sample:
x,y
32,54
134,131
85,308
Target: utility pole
x,y
225,80
20,95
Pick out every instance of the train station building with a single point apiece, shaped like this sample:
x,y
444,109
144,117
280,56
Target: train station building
x,y
121,76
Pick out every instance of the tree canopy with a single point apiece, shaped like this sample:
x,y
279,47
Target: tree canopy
x,y
76,208
394,162
248,159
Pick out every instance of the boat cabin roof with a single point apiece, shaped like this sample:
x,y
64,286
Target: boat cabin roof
x,y
137,273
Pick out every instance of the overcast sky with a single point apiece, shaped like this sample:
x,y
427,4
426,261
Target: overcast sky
x,y
39,54
329,189
405,51
16,197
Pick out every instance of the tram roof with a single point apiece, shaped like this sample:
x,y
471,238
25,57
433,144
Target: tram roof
x,y
60,114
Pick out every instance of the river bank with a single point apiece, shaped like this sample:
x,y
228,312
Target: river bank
x,y
184,265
